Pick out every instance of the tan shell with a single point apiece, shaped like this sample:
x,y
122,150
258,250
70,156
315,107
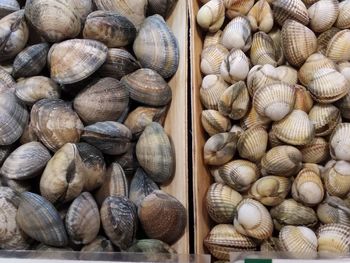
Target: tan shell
x,y
324,38
28,135
212,38
260,76
236,8
211,59
76,59
303,99
340,142
290,9
235,66
211,16
336,178
344,68
260,16
212,88
254,119
252,144
338,46
334,210
344,106
325,117
262,50
271,244
253,219
343,20
275,34
334,238
298,42
282,160
273,140
237,34
8,7
317,151
287,74
128,160
214,122
323,14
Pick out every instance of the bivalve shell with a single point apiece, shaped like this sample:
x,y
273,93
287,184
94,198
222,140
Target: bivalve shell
x,y
161,7
336,178
237,34
334,210
343,20
235,66
212,38
213,86
7,83
260,76
236,8
303,99
212,58
8,7
252,118
252,144
262,50
317,151
324,38
323,14
211,16
290,9
344,106
260,16
334,238
340,142
214,122
325,117
338,46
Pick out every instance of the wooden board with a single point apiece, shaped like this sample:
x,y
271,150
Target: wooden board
x,y
176,120
201,176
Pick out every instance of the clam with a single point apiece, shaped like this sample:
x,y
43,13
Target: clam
x,y
83,219
270,190
54,21
298,42
141,186
281,160
221,203
5,151
334,210
252,118
287,74
27,161
103,100
211,16
273,140
7,83
119,220
111,28
298,239
220,148
151,246
212,38
30,61
252,144
323,14
115,184
236,8
214,122
238,174
155,153
39,219
274,101
339,142
161,7
212,58
271,244
317,151
13,120
260,16
55,123
156,47
148,87
83,8
324,38
212,88
275,35
235,66
224,239
260,76
17,185
295,129
253,219
344,106
325,117
8,7
344,69
290,9
119,63
262,50
285,214
234,101
76,59
30,90
28,135
162,217
303,99
312,65
338,46
128,160
237,34
334,238
336,178
343,19
99,244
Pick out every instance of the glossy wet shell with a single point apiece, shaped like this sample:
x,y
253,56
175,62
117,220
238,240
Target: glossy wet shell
x,y
340,143
298,239
286,9
334,238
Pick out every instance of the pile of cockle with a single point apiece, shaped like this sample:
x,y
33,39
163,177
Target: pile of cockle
x,y
276,90
80,117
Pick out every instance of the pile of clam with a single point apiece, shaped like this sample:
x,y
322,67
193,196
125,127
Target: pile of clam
x,y
83,95
276,97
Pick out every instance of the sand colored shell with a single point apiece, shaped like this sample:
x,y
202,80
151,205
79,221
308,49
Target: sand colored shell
x,y
339,142
211,59
8,7
260,16
254,119
211,16
271,244
317,151
235,8
252,144
338,46
273,140
237,34
344,68
275,34
336,178
324,38
290,9
343,20
235,66
260,76
334,210
303,99
212,88
323,14
333,238
287,74
214,122
212,38
325,117
263,50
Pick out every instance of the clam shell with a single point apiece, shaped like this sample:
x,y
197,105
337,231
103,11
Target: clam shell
x,y
5,151
344,106
7,83
275,34
253,219
119,220
221,203
290,9
344,69
298,239
148,87
156,47
155,153
317,151
287,74
39,219
83,8
281,160
338,46
212,38
30,90
271,244
260,16
295,129
27,161
324,38
99,244
298,42
323,14
252,118
110,28
343,19
237,34
13,120
103,100
28,135
252,144
128,160
235,66
161,7
162,217
8,7
212,88
212,58
303,99
16,185
262,50
260,76
336,178
273,140
325,117
55,123
151,246
214,122
334,210
334,238
83,219
340,142
211,15
76,59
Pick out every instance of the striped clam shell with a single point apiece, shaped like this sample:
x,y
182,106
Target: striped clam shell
x,y
211,15
317,151
343,20
340,142
7,83
212,88
303,99
236,8
252,118
212,38
261,17
237,34
325,117
334,238
290,9
262,50
235,66
338,46
323,14
334,210
214,122
298,239
336,178
324,38
211,59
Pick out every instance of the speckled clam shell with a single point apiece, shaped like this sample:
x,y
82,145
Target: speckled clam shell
x,y
334,210
212,88
324,38
338,46
270,190
235,101
274,101
237,34
253,219
237,8
151,246
303,99
30,90
284,214
262,50
8,7
26,161
298,239
252,144
221,203
323,14
119,220
317,151
325,117
83,219
212,38
14,118
55,21
260,76
238,174
76,59
290,9
333,238
282,160
261,17
252,118
235,66
224,239
340,142
162,217
312,65
298,42
211,15
99,244
156,47
161,7
39,219
211,59
336,178
214,122
14,35
7,83
343,20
